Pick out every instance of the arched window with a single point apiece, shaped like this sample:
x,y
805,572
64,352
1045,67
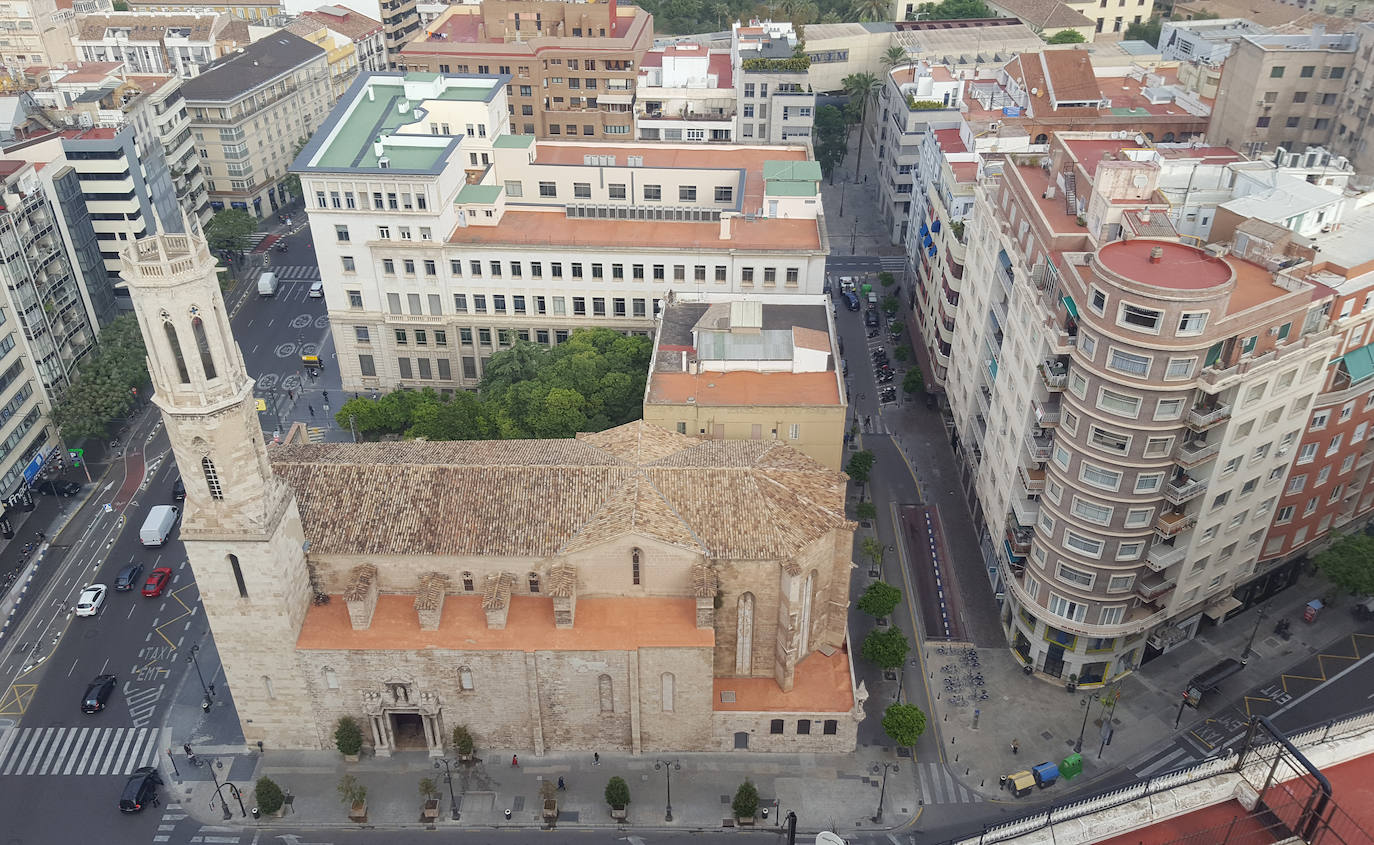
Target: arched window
x,y
238,576
744,635
607,694
1150,136
172,341
634,566
465,679
534,582
207,466
807,598
1168,138
666,682
331,678
467,582
1042,138
202,345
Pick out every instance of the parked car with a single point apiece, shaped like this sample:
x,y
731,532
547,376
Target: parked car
x,y
140,790
157,581
317,290
178,490
871,318
97,693
127,577
91,600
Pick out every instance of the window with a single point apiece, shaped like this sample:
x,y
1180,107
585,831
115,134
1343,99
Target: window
x,y
348,265
1119,403
1068,609
1126,362
582,190
725,194
607,694
341,233
464,673
687,193
653,193
634,567
1084,545
1308,453
1091,511
775,726
1144,319
361,334
1319,420
803,726
1107,479
1297,483
548,189
207,467
1157,447
1180,368
666,684
1276,72
238,576
1098,301
1130,550
355,299
1109,441
1169,409
533,579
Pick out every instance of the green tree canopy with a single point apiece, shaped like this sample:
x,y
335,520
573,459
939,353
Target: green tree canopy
x,y
880,599
885,647
860,465
950,10
348,737
865,510
861,88
746,802
913,382
230,229
1147,31
617,792
873,549
103,389
1066,36
904,723
292,181
1349,563
268,796
871,10
831,138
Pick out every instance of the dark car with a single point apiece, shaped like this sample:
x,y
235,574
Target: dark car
x,y
140,790
871,318
59,488
127,577
178,490
97,693
851,300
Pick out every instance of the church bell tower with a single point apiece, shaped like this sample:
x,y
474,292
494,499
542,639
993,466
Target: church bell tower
x,y
240,524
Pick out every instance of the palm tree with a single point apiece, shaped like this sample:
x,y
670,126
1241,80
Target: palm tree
x,y
722,12
872,10
864,87
894,57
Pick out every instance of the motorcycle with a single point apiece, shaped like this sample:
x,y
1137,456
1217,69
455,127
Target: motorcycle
x,y
1282,629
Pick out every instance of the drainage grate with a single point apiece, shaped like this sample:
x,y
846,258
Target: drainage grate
x,y
1047,735
725,799
517,803
568,816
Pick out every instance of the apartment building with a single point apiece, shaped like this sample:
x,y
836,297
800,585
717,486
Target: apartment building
x,y
775,101
1283,91
1352,138
750,369
249,112
341,55
441,236
148,43
399,20
1144,395
254,11
685,92
40,32
573,66
366,34
1208,41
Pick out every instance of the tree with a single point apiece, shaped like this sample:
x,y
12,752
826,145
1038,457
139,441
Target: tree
x,y
268,796
617,792
1066,36
229,230
103,389
462,740
721,12
886,279
950,10
880,599
865,510
1349,563
871,10
891,304
894,56
861,87
351,792
120,6
873,549
904,723
830,136
913,382
859,466
885,647
348,737
746,803
292,181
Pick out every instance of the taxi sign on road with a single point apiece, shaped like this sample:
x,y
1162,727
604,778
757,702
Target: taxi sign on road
x,y
262,404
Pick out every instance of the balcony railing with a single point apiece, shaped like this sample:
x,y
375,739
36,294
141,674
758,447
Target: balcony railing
x,y
1137,620
1160,557
1178,491
1038,446
1055,374
1019,538
1153,587
1173,524
1201,419
1191,453
1033,478
1025,511
1046,412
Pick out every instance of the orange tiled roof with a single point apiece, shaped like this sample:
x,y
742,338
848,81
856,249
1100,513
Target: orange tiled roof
x,y
821,685
744,388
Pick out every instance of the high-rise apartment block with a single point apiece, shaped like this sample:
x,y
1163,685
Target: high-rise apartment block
x,y
441,236
572,65
154,43
40,32
776,104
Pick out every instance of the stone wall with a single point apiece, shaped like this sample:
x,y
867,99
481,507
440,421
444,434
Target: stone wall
x,y
725,724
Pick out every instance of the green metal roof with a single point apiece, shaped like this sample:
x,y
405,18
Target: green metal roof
x,y
1359,363
807,171
513,142
481,194
350,144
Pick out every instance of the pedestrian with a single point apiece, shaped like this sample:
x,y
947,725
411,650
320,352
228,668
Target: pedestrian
x,y
515,761
1015,747
596,758
291,394
186,746
561,785
311,409
326,397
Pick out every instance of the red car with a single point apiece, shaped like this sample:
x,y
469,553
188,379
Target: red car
x,y
157,581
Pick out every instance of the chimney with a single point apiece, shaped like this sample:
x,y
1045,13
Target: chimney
x,y
1156,254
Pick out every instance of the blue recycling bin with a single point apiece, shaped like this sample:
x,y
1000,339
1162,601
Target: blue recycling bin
x,y
1045,774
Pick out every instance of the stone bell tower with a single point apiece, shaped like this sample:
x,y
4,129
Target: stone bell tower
x,y
240,524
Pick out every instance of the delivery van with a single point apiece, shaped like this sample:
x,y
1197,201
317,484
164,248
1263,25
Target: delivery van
x,y
158,526
267,284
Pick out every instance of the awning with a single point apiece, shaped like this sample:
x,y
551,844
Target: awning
x,y
927,241
924,229
1359,363
931,252
1216,612
935,227
1071,305
621,97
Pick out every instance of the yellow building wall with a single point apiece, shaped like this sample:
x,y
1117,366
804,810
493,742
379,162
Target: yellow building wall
x,y
820,428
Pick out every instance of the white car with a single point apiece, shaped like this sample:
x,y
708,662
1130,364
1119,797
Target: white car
x,y
317,290
91,600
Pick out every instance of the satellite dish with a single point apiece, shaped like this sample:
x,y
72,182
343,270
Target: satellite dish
x,y
1140,140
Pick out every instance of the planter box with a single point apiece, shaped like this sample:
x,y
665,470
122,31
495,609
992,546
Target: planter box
x,y
352,758
358,813
550,809
618,813
749,822
430,811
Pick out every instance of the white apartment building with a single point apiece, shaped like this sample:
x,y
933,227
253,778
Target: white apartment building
x,y
685,92
772,85
363,32
40,32
441,237
152,43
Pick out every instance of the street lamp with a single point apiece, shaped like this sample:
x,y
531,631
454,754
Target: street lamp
x,y
668,769
448,779
882,793
1245,655
191,658
1087,707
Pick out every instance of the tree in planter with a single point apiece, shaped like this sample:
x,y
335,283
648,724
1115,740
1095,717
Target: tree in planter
x,y
913,382
462,740
429,790
268,796
617,793
865,510
859,466
880,599
746,803
348,737
886,279
890,305
886,647
1349,563
872,549
351,791
902,353
904,723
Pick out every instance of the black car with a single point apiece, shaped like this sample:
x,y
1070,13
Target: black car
x,y
178,490
871,318
140,790
128,577
59,488
97,693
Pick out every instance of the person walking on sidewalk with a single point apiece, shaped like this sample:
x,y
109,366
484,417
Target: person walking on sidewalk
x,y
1015,747
596,758
311,409
563,787
515,761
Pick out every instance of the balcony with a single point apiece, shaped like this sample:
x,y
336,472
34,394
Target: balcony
x,y
1193,453
1033,478
1019,539
1201,419
1172,524
1038,445
1062,340
1025,510
1160,557
1138,619
1046,412
1154,588
1183,489
1055,375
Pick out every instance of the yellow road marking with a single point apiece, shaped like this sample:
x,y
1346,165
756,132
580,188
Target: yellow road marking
x,y
186,607
16,700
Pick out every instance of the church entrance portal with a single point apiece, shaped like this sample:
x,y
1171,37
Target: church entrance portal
x,y
408,732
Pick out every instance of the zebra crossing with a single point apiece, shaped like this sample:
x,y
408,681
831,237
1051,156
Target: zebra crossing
x,y
892,263
296,272
938,786
208,834
256,238
77,751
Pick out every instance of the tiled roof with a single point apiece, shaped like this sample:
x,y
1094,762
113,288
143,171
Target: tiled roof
x,y
728,499
353,24
1071,75
1046,15
153,26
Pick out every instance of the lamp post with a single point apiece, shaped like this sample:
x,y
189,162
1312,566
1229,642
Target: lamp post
x,y
1087,707
223,805
448,779
191,658
1245,655
668,769
882,793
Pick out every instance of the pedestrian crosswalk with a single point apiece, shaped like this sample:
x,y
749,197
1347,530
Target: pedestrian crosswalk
x,y
296,272
257,238
77,751
938,786
892,263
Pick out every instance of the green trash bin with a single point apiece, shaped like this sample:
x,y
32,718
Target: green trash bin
x,y
1071,767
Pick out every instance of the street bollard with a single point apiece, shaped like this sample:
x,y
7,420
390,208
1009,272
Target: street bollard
x,y
508,815
255,813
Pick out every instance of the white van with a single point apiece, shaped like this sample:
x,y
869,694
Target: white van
x,y
158,526
267,284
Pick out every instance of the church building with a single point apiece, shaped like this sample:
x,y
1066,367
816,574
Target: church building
x,y
632,590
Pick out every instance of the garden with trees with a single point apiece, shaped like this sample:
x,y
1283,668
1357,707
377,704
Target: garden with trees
x,y
106,383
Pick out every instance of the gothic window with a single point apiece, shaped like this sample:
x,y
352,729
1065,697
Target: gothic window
x,y
467,582
666,682
807,599
202,344
331,679
207,466
238,576
607,695
634,566
465,679
172,341
744,635
534,582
